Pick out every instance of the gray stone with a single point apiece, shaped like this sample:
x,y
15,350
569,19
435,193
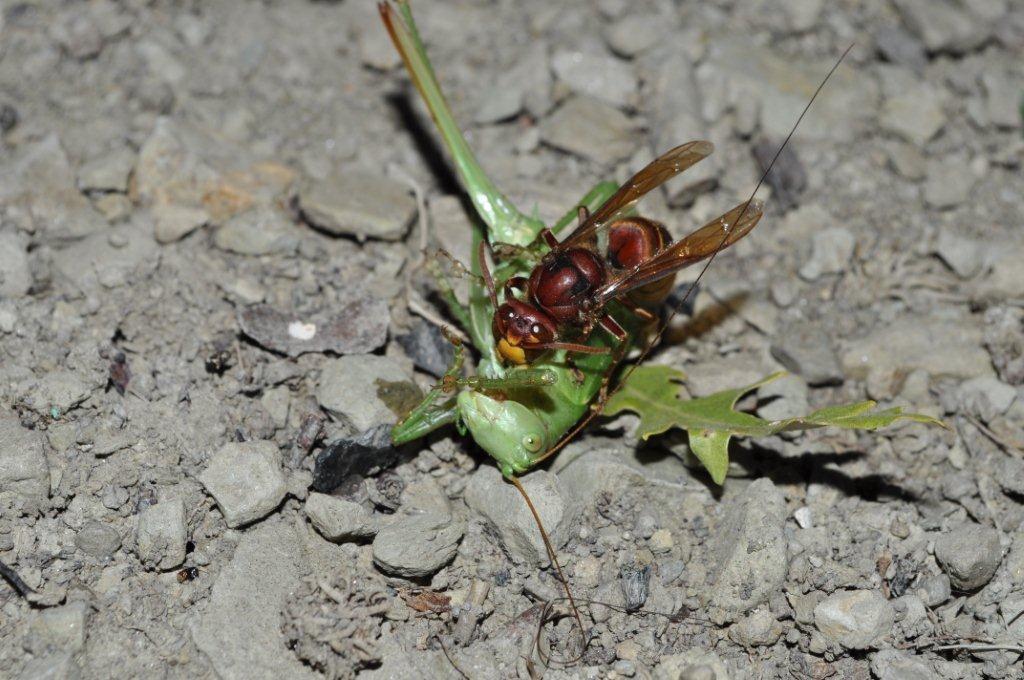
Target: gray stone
x,y
260,231
907,160
954,349
24,474
964,256
934,590
911,616
246,481
240,630
942,26
709,377
803,15
591,129
41,195
58,629
1003,109
892,664
161,535
758,629
676,118
357,323
506,513
780,86
175,222
1015,559
806,349
351,388
15,278
596,75
786,397
1012,609
916,115
108,172
56,666
635,33
985,397
899,47
497,103
970,555
338,519
98,540
693,664
358,204
109,259
831,250
59,390
169,169
855,619
949,183
748,553
417,546
78,35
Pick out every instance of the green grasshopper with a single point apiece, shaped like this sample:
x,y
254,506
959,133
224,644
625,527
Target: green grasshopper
x,y
516,415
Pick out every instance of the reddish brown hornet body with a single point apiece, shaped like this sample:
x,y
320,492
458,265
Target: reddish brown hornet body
x,y
635,264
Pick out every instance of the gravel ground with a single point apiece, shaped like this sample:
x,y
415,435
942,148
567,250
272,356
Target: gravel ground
x,y
191,492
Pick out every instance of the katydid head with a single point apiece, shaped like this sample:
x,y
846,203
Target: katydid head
x,y
509,431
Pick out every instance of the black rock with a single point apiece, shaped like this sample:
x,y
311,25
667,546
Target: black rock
x,y
363,455
429,350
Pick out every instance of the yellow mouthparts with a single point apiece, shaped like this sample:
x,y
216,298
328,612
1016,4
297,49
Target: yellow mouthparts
x,y
511,353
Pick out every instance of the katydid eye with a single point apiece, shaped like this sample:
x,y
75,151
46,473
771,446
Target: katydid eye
x,y
531,443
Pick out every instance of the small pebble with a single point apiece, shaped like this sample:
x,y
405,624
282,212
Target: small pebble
x,y
591,129
948,185
806,350
417,546
802,515
661,541
970,555
162,534
597,75
98,539
358,204
855,619
59,628
245,479
338,519
831,250
758,629
934,590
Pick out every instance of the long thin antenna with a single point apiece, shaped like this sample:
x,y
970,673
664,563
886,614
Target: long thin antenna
x,y
596,409
553,556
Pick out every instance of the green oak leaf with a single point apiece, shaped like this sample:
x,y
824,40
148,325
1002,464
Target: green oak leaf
x,y
653,393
